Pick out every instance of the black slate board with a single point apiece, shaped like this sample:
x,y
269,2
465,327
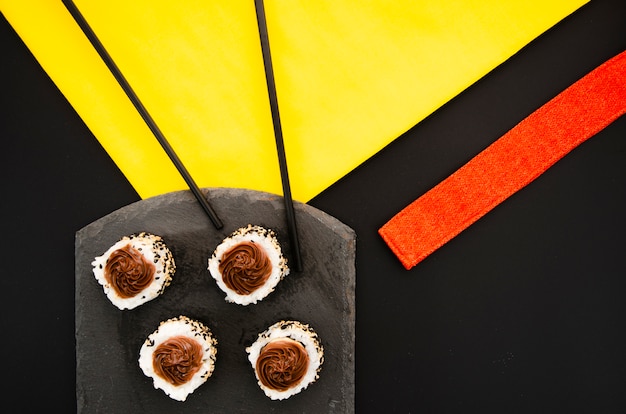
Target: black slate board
x,y
108,378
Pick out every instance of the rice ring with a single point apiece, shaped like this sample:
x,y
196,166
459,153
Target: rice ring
x,y
135,270
248,265
286,359
179,356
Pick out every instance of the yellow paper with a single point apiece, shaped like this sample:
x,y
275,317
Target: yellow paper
x,y
351,77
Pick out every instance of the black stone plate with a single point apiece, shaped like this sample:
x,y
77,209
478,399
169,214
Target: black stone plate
x,y
108,377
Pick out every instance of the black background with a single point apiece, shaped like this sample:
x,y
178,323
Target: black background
x,y
522,312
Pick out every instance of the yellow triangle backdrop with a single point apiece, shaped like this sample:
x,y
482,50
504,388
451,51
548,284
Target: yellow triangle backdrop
x,y
351,77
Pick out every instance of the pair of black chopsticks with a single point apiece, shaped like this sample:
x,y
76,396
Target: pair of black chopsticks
x,y
271,86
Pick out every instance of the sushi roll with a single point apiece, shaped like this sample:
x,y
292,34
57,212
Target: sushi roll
x,y
248,264
286,359
135,270
179,356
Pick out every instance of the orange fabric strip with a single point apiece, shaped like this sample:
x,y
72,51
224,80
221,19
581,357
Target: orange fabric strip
x,y
509,164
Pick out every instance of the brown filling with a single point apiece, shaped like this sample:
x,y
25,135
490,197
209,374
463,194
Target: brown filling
x,y
128,271
177,359
282,364
245,267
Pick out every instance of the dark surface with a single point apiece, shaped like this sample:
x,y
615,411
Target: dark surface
x,y
522,312
322,295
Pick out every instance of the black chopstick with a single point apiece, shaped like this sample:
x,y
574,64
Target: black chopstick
x,y
282,158
82,23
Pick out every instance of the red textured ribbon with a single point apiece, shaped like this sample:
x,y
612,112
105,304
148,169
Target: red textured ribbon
x,y
509,164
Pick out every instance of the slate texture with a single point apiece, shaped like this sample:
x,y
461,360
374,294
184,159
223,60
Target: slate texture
x,y
108,378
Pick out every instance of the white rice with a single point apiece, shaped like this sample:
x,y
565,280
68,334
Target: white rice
x,y
155,251
177,327
298,332
264,238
